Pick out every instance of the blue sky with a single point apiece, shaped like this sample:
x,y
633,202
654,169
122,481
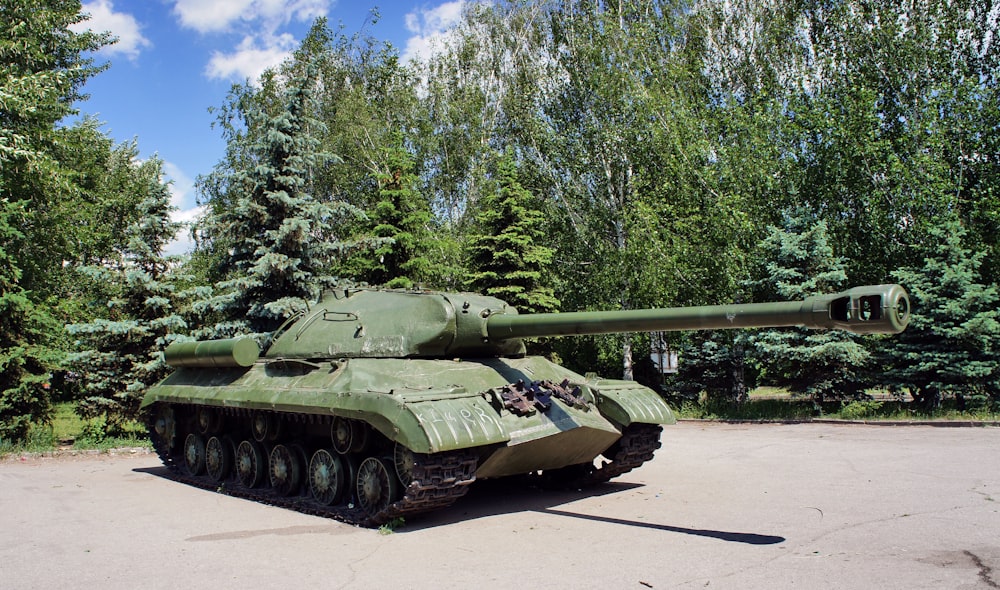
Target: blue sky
x,y
176,58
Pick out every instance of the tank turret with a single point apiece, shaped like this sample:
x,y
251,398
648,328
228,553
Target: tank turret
x,y
378,404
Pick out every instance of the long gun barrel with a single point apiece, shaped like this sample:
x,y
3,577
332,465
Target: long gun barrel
x,y
870,309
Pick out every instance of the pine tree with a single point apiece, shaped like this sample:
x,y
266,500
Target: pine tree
x,y
800,263
506,258
952,344
271,237
124,349
399,223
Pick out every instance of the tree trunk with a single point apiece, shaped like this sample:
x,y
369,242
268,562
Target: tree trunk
x,y
628,372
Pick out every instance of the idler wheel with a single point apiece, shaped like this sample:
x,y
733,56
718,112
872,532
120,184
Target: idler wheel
x,y
348,436
194,454
166,426
219,458
377,486
251,463
286,467
327,477
404,461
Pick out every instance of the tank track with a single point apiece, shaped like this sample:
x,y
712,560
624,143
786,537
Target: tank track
x,y
635,447
439,480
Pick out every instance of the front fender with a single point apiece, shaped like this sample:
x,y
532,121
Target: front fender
x,y
627,402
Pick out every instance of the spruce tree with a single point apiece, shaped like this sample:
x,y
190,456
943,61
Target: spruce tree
x,y
506,258
399,223
270,235
952,344
714,363
800,262
122,351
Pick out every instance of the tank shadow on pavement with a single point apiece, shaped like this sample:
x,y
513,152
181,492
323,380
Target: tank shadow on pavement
x,y
745,538
517,495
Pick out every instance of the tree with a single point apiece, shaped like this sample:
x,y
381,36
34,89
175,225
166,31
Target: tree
x,y
26,360
952,344
400,220
506,256
715,363
895,126
799,262
123,348
42,69
483,76
273,240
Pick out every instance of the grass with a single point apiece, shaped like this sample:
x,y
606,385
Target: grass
x,y
391,526
770,403
69,431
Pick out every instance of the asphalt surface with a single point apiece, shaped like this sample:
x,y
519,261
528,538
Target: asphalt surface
x,y
721,506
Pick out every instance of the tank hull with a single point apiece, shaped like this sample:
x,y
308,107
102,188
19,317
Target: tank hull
x,y
505,416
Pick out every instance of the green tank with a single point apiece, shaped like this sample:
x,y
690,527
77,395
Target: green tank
x,y
377,404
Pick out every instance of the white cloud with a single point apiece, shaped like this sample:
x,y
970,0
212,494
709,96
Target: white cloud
x,y
429,28
187,212
301,10
212,16
207,16
251,57
121,24
258,22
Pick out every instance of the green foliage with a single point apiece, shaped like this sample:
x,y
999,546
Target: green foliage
x,y
714,364
752,409
26,360
786,408
67,428
272,238
121,353
41,162
893,129
858,409
400,221
38,439
799,262
506,258
42,70
952,345
391,526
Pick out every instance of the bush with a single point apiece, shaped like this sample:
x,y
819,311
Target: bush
x,y
857,410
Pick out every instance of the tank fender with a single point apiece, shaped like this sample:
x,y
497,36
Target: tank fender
x,y
428,421
425,421
627,402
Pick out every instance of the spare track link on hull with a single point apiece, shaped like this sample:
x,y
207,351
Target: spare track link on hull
x,y
438,480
